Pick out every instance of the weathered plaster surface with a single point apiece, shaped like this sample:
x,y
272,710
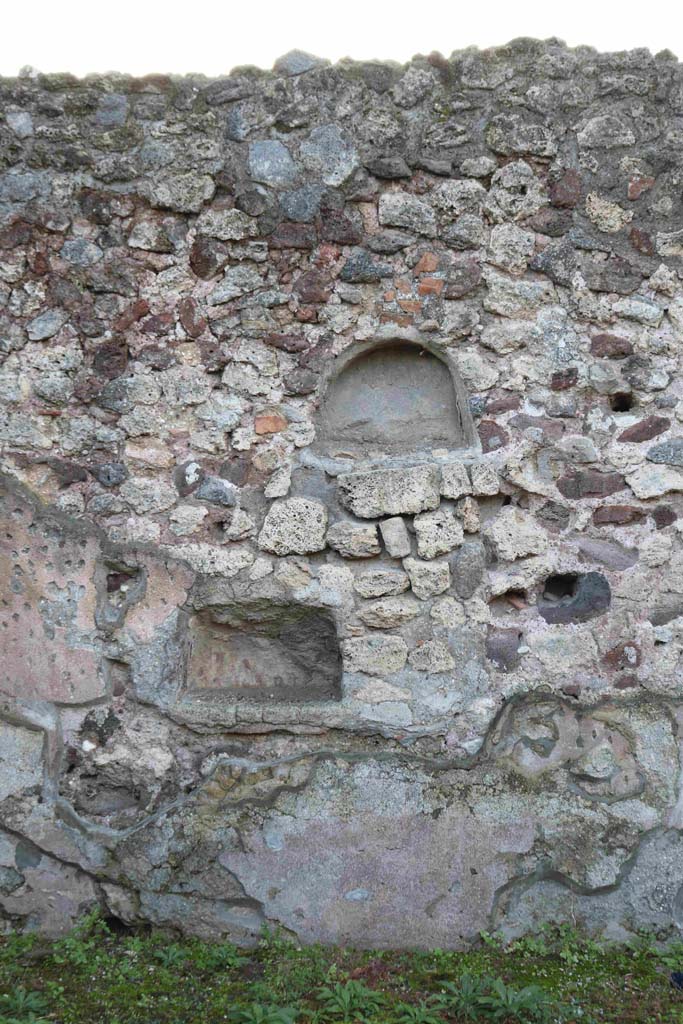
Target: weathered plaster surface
x,y
342,467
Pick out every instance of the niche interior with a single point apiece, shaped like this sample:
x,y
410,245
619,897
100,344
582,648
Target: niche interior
x,y
264,651
393,398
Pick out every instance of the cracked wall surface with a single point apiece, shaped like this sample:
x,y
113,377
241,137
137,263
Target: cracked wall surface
x,y
342,471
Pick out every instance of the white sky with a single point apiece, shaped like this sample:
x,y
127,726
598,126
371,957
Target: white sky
x,y
142,36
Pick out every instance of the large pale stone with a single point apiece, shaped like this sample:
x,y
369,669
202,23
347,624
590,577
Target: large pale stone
x,y
427,578
390,612
437,533
395,536
649,481
455,480
390,492
515,534
378,582
432,657
294,526
375,655
352,541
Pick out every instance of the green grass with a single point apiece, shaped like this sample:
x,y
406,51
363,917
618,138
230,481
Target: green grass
x,y
93,976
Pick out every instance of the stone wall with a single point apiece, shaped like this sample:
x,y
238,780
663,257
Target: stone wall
x,y
342,573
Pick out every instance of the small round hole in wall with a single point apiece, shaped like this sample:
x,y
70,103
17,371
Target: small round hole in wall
x,y
621,401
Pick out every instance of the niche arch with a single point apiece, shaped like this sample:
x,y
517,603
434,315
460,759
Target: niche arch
x,y
393,396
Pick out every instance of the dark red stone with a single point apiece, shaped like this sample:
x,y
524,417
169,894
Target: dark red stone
x,y
638,184
208,257
110,358
589,483
335,226
566,191
617,515
645,429
159,324
502,403
212,354
641,241
552,429
131,314
562,380
610,346
192,322
17,233
286,342
293,236
313,287
626,682
492,436
463,278
618,660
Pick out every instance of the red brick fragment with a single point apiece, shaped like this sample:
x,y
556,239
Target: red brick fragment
x,y
269,423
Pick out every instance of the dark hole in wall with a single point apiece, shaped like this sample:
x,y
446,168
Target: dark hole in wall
x,y
621,401
560,586
574,597
265,651
398,397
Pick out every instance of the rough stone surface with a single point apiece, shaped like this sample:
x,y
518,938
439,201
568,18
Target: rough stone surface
x,y
395,536
352,541
390,492
457,709
294,526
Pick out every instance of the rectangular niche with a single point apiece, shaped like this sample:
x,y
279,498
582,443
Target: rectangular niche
x,y
265,651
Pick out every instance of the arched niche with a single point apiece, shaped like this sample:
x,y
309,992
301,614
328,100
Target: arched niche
x,y
393,397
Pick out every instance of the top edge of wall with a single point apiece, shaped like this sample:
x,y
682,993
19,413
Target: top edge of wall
x,y
298,62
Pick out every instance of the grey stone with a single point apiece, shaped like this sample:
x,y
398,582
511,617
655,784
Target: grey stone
x,y
111,474
668,452
361,268
47,324
402,210
395,536
329,152
468,566
298,62
81,252
502,648
112,110
271,162
217,491
302,204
